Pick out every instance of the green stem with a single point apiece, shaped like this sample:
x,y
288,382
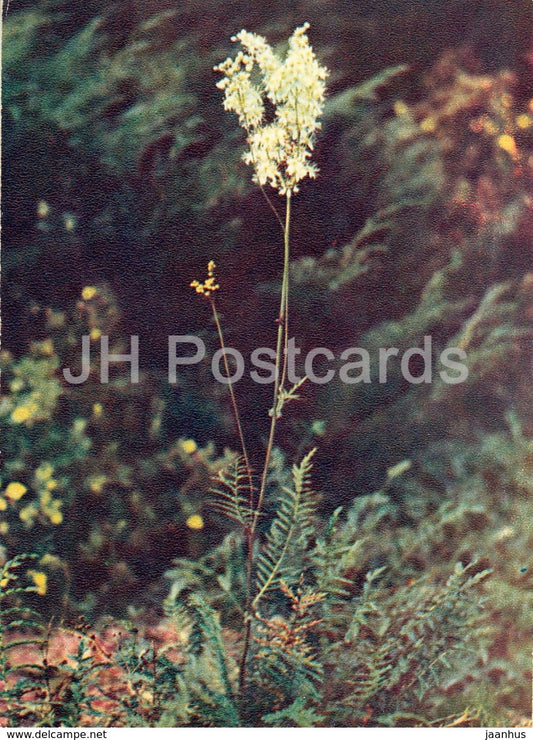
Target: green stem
x,y
281,357
234,402
249,530
272,208
281,364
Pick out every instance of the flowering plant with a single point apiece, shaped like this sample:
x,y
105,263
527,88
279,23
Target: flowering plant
x,y
279,150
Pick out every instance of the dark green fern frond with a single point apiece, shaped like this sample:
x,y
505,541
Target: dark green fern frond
x,y
205,694
370,677
215,709
285,665
11,573
206,635
15,617
281,671
330,558
218,575
289,533
286,674
402,641
232,493
297,714
177,612
21,627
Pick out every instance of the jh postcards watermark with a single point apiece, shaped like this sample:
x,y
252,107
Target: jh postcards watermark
x,y
320,365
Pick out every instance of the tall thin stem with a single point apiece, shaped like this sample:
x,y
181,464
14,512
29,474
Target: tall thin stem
x,y
249,530
281,356
272,208
234,404
279,379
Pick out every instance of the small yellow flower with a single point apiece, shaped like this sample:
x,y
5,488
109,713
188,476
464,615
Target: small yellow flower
x,y
4,528
96,483
4,582
15,491
27,514
210,285
56,517
44,471
52,561
95,334
88,292
51,484
189,446
40,580
43,209
195,521
524,121
198,286
3,504
45,347
428,125
16,385
21,414
69,222
400,108
507,143
98,410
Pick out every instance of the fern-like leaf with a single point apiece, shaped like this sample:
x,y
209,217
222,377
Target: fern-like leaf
x,y
371,677
232,493
207,634
330,558
289,532
297,714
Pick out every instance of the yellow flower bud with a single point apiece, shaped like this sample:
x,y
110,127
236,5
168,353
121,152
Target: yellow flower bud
x,y
88,292
21,414
400,108
56,517
524,121
44,471
195,521
40,580
428,125
27,514
507,143
189,446
43,209
15,491
96,483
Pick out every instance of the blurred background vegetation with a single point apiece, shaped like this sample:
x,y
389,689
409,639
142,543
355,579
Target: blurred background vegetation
x,y
122,177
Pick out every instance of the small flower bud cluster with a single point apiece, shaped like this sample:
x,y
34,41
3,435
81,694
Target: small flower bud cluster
x,y
280,150
210,285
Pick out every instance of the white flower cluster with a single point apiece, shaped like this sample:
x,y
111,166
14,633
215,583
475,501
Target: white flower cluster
x,y
280,149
